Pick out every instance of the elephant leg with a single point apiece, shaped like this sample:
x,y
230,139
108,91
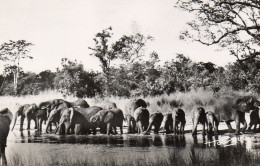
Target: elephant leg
x,y
165,129
121,129
254,128
129,126
156,129
35,121
94,131
216,128
250,125
134,126
28,123
114,127
50,127
229,126
141,129
21,123
203,128
194,129
182,127
237,126
149,128
244,126
41,121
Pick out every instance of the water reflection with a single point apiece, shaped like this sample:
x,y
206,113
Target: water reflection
x,y
250,141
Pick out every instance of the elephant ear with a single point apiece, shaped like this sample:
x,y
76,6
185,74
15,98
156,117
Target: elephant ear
x,y
108,117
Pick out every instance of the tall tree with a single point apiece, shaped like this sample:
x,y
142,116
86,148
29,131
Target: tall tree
x,y
127,48
234,25
13,52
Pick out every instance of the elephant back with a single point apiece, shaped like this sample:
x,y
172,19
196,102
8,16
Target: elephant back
x,y
133,104
88,112
79,103
118,113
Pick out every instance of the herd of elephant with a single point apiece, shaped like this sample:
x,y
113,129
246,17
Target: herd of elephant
x,y
79,118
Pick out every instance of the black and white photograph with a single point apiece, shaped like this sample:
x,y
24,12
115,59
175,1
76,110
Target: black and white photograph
x,y
129,82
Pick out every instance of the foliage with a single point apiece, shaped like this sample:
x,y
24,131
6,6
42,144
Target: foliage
x,y
127,48
13,52
73,80
230,24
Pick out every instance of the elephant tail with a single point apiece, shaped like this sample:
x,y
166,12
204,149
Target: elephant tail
x,y
15,118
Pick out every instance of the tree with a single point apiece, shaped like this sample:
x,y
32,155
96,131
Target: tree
x,y
13,52
234,25
127,48
71,79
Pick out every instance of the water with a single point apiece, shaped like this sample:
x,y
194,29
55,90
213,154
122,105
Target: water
x,y
127,148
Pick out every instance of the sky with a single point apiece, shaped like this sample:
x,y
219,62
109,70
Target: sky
x,y
66,28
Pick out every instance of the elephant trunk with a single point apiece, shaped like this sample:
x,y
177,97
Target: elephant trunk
x,y
47,126
58,129
15,118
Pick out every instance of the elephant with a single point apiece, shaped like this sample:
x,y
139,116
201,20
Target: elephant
x,y
167,123
178,116
212,123
111,117
199,116
141,117
254,119
5,120
130,108
55,114
79,117
234,109
29,114
156,121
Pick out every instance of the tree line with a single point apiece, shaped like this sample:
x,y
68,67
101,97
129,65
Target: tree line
x,y
145,76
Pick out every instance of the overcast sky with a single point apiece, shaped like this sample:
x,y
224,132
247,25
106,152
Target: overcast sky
x,y
66,28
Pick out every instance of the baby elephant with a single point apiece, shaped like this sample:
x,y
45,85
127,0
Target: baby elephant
x,y
178,116
199,116
155,120
212,123
5,119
